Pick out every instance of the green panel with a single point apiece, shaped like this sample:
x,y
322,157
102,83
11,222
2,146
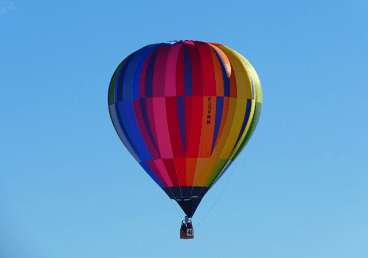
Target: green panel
x,y
252,127
111,94
220,166
255,78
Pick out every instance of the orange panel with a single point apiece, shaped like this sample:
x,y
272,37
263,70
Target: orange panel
x,y
208,127
191,164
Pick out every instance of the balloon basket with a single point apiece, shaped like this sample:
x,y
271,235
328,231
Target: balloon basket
x,y
186,230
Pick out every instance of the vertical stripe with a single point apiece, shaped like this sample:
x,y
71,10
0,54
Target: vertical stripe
x,y
164,173
187,119
180,165
159,71
241,74
196,69
201,166
218,168
153,167
151,174
130,74
226,126
187,73
174,128
151,121
207,67
111,94
191,164
129,121
149,74
162,131
147,126
142,76
180,73
142,120
218,74
138,71
194,132
224,116
221,167
234,127
225,79
122,135
245,121
223,56
170,75
181,117
201,179
233,85
120,79
208,126
218,119
171,170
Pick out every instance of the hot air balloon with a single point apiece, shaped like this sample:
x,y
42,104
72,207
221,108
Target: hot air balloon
x,y
185,110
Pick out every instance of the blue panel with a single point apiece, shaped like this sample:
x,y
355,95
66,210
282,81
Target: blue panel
x,y
127,114
187,73
131,70
150,173
149,74
218,118
126,139
120,80
147,50
122,133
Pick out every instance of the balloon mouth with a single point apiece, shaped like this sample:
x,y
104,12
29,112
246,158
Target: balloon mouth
x,y
189,205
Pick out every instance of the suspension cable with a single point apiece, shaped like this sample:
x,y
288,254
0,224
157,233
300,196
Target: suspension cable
x,y
232,172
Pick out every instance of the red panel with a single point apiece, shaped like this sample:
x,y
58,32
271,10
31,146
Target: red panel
x,y
195,63
151,119
174,129
195,127
159,71
233,88
151,164
171,170
180,74
208,72
191,169
180,165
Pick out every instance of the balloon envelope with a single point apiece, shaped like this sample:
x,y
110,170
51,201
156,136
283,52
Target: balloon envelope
x,y
185,110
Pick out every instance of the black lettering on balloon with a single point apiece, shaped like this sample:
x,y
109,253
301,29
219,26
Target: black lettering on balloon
x,y
209,109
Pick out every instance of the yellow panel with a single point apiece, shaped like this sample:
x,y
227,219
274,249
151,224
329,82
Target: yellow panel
x,y
246,127
220,164
201,179
242,75
241,106
255,78
229,121
243,85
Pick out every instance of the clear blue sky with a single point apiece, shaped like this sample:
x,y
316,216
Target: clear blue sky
x,y
299,189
